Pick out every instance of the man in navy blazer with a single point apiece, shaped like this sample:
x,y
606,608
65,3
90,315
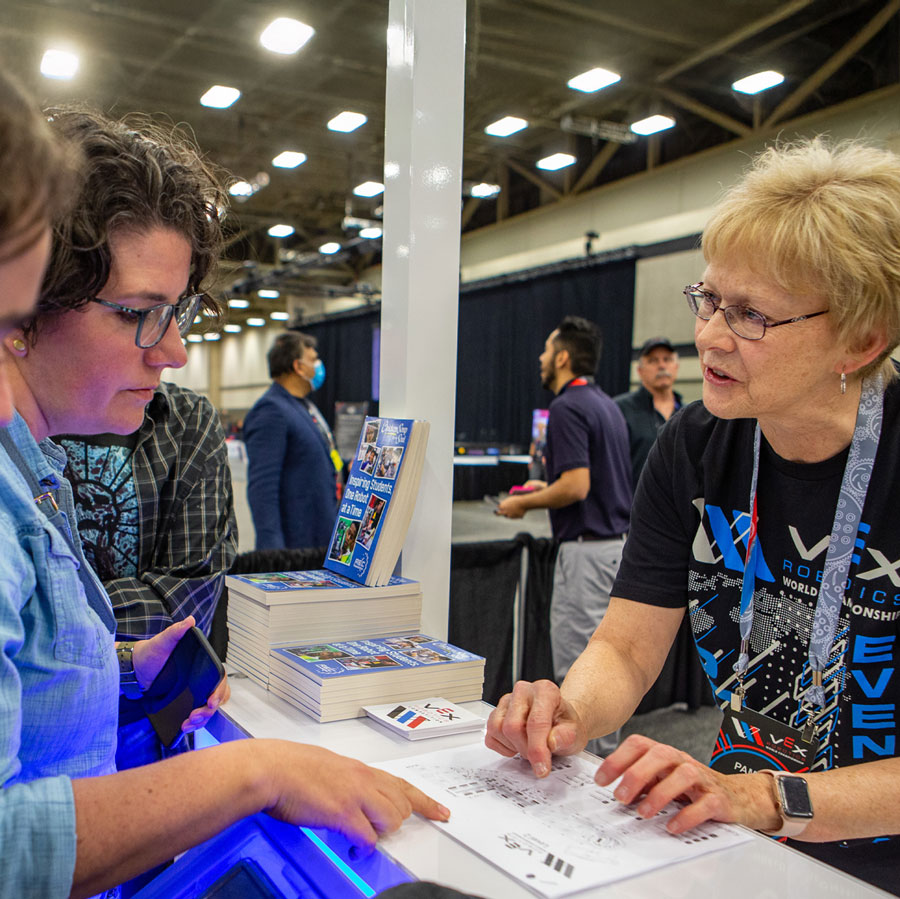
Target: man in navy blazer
x,y
293,466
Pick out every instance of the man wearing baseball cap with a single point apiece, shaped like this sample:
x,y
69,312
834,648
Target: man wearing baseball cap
x,y
649,407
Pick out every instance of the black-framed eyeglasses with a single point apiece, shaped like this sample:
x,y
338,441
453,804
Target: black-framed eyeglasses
x,y
153,322
744,321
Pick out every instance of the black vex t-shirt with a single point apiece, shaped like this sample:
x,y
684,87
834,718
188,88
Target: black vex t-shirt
x,y
687,546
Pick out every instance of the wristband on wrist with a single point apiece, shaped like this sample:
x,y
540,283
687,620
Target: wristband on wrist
x,y
793,802
128,681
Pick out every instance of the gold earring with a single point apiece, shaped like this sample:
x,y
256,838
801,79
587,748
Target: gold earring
x,y
18,345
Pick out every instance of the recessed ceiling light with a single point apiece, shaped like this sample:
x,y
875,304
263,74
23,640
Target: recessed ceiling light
x,y
483,191
279,316
239,304
556,161
369,189
652,124
285,35
761,81
281,230
593,80
289,159
328,248
507,125
256,322
212,335
60,64
370,233
347,121
265,294
195,338
220,97
241,189
233,329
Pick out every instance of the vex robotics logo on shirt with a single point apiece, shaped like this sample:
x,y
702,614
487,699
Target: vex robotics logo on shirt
x,y
860,680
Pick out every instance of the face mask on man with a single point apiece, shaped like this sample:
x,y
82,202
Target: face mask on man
x,y
318,378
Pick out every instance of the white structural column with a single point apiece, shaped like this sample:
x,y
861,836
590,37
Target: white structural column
x,y
420,277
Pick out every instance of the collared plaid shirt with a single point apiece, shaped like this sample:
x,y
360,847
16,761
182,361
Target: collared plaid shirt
x,y
187,529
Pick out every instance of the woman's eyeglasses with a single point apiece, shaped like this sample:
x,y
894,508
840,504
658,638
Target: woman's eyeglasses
x,y
152,323
744,321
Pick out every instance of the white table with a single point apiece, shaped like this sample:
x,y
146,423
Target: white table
x,y
758,869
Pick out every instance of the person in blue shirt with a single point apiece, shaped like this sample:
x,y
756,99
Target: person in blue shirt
x,y
293,466
70,825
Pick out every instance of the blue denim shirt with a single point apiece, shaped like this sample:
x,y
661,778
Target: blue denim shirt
x,y
59,680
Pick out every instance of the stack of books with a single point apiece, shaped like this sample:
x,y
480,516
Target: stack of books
x,y
335,640
311,606
335,680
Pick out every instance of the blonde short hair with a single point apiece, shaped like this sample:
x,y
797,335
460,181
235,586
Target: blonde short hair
x,y
822,218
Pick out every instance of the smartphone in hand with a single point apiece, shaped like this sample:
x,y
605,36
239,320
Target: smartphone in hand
x,y
186,681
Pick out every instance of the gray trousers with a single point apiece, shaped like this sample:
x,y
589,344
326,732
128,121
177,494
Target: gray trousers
x,y
582,583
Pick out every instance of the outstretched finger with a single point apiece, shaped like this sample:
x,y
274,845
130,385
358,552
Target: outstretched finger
x,y
422,804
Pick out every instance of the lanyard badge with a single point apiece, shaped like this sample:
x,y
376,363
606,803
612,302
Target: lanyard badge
x,y
748,740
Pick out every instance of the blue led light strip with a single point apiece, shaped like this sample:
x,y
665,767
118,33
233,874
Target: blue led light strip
x,y
340,864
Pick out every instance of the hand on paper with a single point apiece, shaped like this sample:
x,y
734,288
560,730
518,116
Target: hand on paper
x,y
654,774
536,722
313,786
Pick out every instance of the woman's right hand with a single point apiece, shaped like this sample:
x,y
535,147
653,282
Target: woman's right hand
x,y
315,787
536,722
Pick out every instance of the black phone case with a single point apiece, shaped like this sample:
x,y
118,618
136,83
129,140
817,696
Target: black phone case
x,y
191,673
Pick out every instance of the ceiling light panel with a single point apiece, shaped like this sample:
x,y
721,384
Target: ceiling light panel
x,y
372,233
281,230
347,121
289,159
369,189
279,316
266,294
233,329
761,81
59,64
504,127
239,304
652,124
484,191
329,248
593,80
286,36
256,322
219,96
555,162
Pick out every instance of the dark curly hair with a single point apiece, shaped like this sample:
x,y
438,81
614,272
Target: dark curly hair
x,y
40,170
139,174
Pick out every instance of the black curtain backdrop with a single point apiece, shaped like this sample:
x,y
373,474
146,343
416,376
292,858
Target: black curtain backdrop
x,y
345,346
502,330
501,333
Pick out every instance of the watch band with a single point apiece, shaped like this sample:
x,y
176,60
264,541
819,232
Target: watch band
x,y
790,826
127,678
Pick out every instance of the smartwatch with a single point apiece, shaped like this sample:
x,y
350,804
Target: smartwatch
x,y
793,801
127,678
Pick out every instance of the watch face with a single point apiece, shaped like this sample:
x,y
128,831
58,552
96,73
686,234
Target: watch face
x,y
795,799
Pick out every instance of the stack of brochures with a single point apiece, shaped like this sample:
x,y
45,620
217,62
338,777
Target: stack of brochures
x,y
291,607
335,680
378,500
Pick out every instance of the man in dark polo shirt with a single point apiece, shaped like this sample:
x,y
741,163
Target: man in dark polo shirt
x,y
649,407
588,491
